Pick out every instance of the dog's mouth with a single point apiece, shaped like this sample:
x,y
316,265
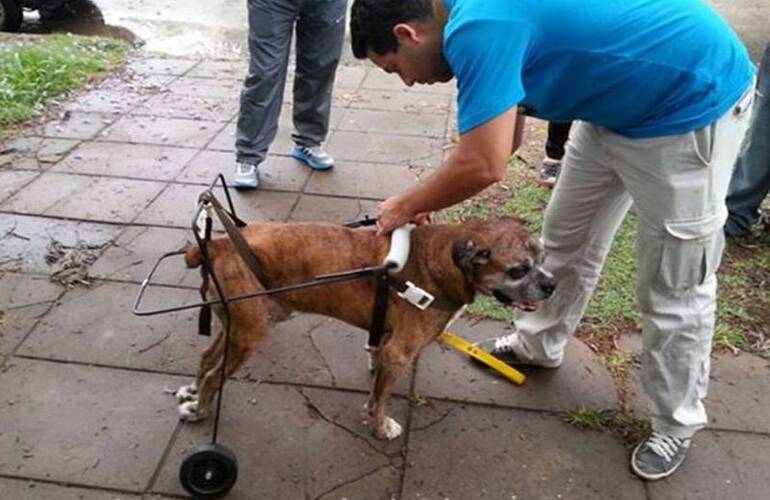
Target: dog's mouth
x,y
522,305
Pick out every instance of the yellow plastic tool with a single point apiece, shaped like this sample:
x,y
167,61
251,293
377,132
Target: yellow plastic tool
x,y
463,345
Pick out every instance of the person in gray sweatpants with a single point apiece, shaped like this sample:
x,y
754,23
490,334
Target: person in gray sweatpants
x,y
320,29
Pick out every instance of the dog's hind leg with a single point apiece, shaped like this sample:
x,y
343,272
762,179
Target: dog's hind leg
x,y
243,341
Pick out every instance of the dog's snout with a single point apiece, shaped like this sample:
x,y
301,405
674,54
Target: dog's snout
x,y
548,285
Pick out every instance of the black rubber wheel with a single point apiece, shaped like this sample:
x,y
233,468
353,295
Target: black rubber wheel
x,y
209,471
10,15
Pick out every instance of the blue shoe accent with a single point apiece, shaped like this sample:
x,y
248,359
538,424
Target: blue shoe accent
x,y
314,157
246,176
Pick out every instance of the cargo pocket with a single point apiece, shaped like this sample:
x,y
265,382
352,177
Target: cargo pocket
x,y
692,251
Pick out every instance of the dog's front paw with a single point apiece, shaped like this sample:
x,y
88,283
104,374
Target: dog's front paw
x,y
189,412
390,430
187,393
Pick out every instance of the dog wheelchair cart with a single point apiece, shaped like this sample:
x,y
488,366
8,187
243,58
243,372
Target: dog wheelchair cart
x,y
210,470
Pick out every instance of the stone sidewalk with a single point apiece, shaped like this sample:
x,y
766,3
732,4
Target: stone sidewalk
x,y
109,183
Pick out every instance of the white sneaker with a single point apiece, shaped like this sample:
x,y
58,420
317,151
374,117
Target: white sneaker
x,y
246,176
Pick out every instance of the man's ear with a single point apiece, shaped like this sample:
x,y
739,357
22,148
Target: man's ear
x,y
405,33
467,255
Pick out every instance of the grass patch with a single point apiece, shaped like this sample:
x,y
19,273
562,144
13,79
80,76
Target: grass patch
x,y
588,418
35,72
623,423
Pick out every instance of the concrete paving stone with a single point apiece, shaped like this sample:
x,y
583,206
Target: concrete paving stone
x,y
139,161
736,399
390,122
84,197
77,329
294,442
362,180
23,300
167,105
108,102
719,465
20,489
580,382
207,88
403,101
376,79
350,76
131,256
328,209
25,246
13,180
83,425
164,131
176,205
220,70
75,125
161,66
312,349
385,148
463,451
34,153
275,173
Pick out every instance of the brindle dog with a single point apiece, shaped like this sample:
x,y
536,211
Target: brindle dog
x,y
453,262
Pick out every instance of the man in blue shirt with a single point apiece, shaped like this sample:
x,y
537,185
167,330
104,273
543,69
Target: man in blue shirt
x,y
661,90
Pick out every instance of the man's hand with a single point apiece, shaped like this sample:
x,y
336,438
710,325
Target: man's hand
x,y
394,212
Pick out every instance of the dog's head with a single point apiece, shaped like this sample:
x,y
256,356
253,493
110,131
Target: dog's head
x,y
500,259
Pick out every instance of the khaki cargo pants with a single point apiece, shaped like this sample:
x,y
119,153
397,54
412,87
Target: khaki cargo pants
x,y
677,185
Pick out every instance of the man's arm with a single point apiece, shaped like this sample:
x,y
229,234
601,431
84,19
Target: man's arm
x,y
479,160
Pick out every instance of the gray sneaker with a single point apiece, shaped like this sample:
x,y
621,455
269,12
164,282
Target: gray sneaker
x,y
502,348
315,157
549,172
658,456
246,176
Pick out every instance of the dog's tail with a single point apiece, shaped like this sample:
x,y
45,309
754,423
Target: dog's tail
x,y
192,255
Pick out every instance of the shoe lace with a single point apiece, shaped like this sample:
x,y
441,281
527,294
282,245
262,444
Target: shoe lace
x,y
245,168
663,445
505,343
550,170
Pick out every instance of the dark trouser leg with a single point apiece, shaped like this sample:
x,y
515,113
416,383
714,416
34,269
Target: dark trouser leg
x,y
751,179
558,133
270,31
320,35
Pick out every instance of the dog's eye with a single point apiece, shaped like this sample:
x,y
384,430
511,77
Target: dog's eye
x,y
519,272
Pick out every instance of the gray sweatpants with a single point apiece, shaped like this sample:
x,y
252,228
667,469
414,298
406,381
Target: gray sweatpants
x,y
677,185
320,28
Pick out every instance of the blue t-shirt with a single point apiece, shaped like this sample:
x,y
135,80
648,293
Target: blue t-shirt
x,y
642,68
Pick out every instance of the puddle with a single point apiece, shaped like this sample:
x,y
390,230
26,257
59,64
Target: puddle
x,y
194,28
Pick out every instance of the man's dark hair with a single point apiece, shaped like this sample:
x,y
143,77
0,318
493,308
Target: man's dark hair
x,y
372,21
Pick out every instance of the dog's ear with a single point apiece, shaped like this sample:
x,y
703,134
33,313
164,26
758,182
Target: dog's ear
x,y
467,255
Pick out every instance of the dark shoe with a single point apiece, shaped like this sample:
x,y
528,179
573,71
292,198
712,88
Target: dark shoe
x,y
549,172
502,348
658,456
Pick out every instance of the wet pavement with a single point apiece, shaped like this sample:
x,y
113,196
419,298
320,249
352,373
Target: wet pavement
x,y
91,196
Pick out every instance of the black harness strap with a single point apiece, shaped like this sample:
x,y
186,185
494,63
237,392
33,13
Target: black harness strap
x,y
380,310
